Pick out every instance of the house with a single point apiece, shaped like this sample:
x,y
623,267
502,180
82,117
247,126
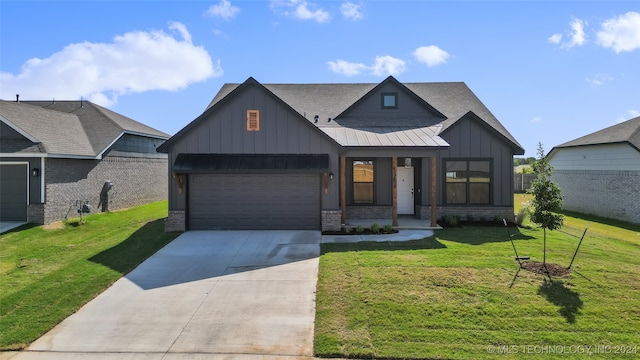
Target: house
x,y
56,156
313,156
599,173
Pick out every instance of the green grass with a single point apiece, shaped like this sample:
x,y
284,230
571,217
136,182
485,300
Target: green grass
x,y
47,274
458,293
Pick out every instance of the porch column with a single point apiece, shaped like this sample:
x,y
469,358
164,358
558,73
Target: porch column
x,y
433,192
343,188
394,191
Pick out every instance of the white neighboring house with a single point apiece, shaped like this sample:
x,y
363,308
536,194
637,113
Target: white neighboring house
x,y
599,173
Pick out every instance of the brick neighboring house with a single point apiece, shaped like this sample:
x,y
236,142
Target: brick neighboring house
x,y
54,153
314,156
599,173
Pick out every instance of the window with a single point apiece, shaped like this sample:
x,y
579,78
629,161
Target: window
x,y
389,100
468,182
253,120
363,182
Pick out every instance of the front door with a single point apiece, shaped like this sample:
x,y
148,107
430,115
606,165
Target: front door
x,y
405,191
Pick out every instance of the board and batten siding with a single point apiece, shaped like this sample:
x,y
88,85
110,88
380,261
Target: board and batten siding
x,y
596,157
282,131
471,140
410,111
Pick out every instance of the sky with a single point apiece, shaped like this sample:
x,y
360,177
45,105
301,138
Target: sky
x,y
550,71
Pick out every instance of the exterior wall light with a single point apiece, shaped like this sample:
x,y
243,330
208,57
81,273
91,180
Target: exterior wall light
x,y
35,172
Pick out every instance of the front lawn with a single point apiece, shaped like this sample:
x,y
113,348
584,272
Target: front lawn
x,y
461,295
47,273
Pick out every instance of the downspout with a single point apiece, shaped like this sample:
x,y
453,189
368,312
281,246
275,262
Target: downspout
x,y
42,180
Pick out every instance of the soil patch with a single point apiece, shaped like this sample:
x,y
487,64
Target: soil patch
x,y
550,270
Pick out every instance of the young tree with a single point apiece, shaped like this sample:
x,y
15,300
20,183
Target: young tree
x,y
547,199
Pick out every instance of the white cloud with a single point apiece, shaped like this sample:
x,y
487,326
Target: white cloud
x,y
346,68
575,37
621,33
132,63
388,65
555,38
351,11
300,9
383,65
577,34
431,55
536,119
599,79
223,9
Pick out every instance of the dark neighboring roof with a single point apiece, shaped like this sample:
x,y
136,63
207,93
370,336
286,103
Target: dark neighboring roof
x,y
625,132
451,99
71,128
194,163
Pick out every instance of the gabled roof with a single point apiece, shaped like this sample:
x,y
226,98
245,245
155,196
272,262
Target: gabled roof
x,y
452,100
69,128
224,95
625,132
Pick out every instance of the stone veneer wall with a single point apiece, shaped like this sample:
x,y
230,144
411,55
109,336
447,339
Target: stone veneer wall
x,y
176,221
136,181
369,212
331,220
612,194
478,213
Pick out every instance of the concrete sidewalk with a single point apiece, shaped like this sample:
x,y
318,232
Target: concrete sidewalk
x,y
206,295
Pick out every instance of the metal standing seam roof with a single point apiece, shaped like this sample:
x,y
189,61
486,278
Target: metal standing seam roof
x,y
386,136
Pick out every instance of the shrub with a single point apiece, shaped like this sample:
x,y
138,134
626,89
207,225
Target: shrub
x,y
525,210
388,229
451,220
359,229
470,218
375,228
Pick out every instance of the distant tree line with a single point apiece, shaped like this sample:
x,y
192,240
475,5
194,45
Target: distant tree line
x,y
523,161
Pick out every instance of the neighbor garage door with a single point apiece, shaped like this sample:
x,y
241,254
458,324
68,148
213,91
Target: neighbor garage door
x,y
254,201
13,192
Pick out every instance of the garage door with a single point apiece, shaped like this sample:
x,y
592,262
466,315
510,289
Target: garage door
x,y
254,201
13,192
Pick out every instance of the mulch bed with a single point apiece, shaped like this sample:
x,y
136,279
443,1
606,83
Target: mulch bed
x,y
365,231
551,269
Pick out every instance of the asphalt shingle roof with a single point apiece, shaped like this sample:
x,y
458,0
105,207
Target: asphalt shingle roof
x,y
72,128
451,99
625,132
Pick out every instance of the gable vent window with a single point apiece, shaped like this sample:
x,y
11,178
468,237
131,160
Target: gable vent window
x,y
253,120
389,100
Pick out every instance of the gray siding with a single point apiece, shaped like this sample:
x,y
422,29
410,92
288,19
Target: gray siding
x,y
282,131
469,140
34,182
136,144
602,157
410,111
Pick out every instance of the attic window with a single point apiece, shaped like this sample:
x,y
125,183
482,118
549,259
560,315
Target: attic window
x,y
253,120
389,100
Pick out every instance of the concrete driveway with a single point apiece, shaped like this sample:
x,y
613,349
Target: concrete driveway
x,y
206,295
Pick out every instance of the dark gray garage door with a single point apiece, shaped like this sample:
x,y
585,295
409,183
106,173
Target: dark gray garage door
x,y
13,192
254,201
